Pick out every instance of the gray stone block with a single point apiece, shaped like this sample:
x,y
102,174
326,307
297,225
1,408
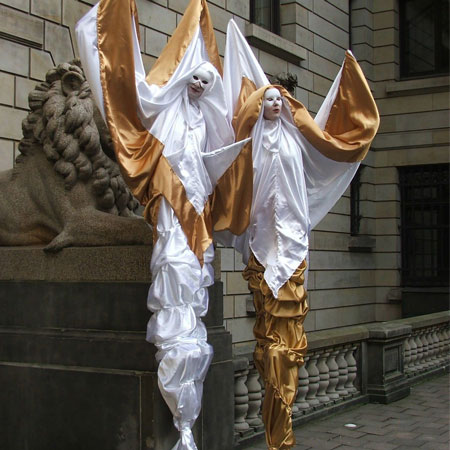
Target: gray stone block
x,y
240,8
58,43
156,17
40,63
21,27
154,42
7,91
6,154
11,122
48,9
23,5
332,14
14,58
327,30
23,88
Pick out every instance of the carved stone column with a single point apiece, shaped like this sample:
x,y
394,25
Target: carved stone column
x,y
343,373
303,386
351,369
254,399
313,374
240,395
334,375
324,377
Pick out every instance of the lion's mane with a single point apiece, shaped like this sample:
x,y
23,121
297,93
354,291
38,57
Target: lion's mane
x,y
62,124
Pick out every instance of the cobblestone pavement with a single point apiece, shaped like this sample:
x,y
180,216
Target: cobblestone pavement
x,y
419,421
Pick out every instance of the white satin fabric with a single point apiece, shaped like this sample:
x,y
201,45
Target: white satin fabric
x,y
279,222
178,296
294,185
239,62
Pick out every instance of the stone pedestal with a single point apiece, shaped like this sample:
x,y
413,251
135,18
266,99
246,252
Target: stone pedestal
x,y
386,380
75,369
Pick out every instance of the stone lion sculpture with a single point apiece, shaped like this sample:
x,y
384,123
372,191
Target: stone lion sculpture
x,y
65,188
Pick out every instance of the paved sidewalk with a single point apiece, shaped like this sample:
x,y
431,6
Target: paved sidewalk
x,y
419,421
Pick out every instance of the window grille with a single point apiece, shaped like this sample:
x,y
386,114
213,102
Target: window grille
x,y
424,37
266,14
424,194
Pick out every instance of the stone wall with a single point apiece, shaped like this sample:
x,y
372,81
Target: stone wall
x,y
414,130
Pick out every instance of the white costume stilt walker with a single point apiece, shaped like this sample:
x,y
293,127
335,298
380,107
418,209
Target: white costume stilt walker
x,y
174,144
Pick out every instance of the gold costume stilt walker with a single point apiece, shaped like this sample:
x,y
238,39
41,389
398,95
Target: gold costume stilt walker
x,y
301,167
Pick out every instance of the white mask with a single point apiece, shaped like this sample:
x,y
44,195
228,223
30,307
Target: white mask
x,y
200,81
272,104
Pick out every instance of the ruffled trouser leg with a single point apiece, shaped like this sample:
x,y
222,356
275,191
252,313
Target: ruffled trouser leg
x,y
178,298
281,346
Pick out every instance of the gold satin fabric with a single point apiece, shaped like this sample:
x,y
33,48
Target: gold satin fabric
x,y
196,13
232,197
137,151
280,349
351,125
197,228
247,88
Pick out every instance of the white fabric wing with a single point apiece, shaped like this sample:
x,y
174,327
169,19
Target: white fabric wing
x,y
239,61
326,180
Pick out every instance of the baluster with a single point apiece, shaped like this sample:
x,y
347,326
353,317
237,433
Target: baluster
x,y
435,338
413,345
254,398
419,343
303,383
313,374
425,351
430,342
406,355
324,377
240,401
352,369
343,373
334,375
447,342
441,349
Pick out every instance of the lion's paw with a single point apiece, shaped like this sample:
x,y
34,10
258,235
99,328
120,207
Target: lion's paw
x,y
61,241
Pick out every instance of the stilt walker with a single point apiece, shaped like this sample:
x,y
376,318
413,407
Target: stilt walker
x,y
174,144
301,167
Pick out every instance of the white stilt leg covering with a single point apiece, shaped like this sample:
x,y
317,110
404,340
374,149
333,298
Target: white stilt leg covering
x,y
178,298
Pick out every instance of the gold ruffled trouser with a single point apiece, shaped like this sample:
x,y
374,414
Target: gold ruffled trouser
x,y
280,348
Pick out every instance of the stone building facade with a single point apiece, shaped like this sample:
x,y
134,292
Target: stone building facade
x,y
356,255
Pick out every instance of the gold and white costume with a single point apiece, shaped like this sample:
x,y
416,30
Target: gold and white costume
x,y
177,156
301,167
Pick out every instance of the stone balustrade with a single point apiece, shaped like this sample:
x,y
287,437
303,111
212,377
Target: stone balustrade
x,y
426,349
337,372
329,378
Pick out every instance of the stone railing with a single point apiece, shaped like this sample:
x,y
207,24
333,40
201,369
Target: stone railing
x,y
427,347
330,378
378,362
